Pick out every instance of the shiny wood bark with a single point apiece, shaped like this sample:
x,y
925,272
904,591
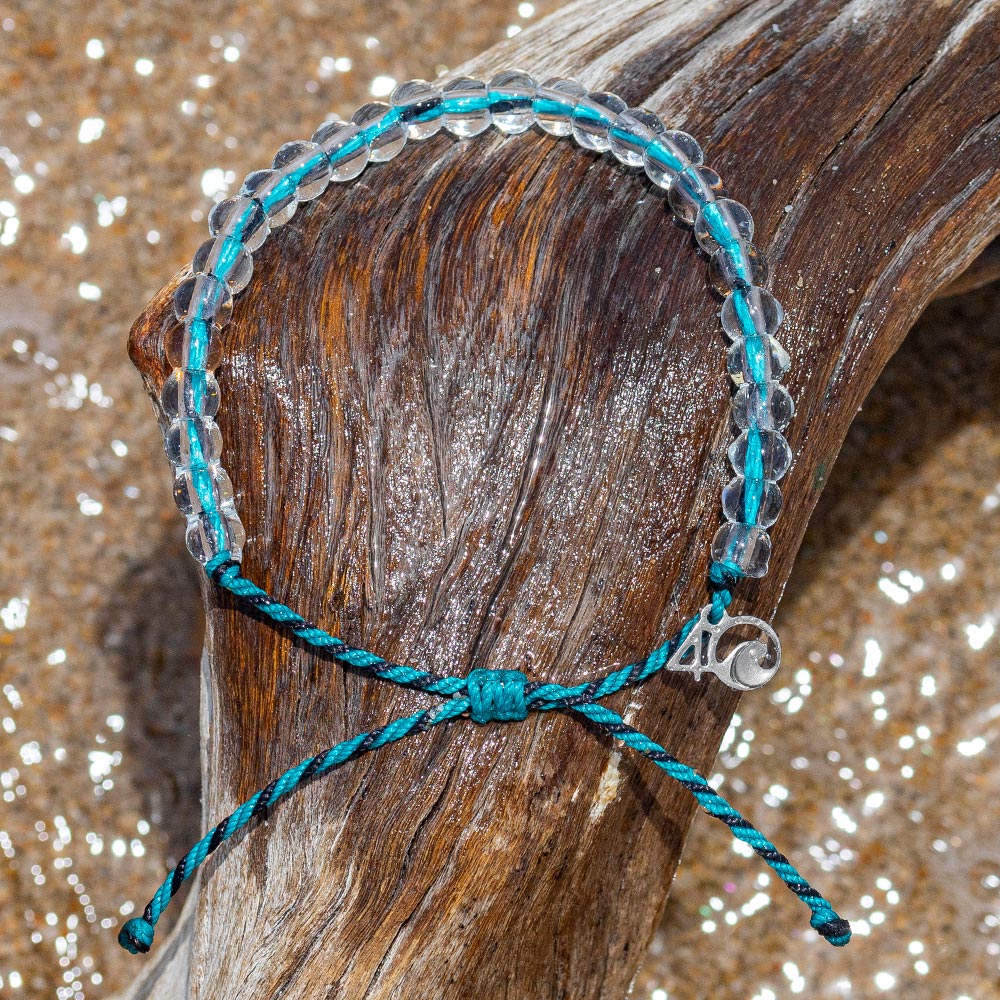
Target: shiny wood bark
x,y
476,414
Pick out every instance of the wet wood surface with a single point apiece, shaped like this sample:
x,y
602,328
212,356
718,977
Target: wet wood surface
x,y
475,411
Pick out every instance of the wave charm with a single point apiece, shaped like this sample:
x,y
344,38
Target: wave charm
x,y
750,665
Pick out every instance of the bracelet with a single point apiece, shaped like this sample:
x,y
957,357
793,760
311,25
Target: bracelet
x,y
761,409
339,151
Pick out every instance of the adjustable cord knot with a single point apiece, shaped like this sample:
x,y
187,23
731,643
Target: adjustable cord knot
x,y
497,695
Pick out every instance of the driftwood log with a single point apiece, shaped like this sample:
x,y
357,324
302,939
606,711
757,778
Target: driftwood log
x,y
475,411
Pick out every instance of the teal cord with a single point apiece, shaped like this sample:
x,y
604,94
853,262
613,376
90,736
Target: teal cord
x,y
485,696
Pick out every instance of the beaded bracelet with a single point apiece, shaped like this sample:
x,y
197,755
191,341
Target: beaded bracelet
x,y
760,455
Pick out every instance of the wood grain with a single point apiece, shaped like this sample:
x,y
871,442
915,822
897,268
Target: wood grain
x,y
984,270
475,411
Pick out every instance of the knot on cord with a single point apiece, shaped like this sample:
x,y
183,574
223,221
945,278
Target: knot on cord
x,y
486,696
722,576
497,695
136,936
835,929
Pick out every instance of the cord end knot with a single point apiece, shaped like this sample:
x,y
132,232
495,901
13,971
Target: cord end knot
x,y
836,929
136,935
497,695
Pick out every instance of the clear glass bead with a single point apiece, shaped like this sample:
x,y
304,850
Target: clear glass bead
x,y
685,144
194,344
468,107
345,148
668,154
766,405
193,441
190,393
207,488
382,129
746,545
227,259
739,265
752,501
511,95
751,312
305,164
419,106
201,296
208,535
632,132
760,455
756,359
276,193
554,102
723,222
593,117
692,188
241,218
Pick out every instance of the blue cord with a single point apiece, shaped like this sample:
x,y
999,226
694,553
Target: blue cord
x,y
485,696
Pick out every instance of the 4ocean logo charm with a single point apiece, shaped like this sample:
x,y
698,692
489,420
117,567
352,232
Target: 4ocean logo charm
x,y
750,665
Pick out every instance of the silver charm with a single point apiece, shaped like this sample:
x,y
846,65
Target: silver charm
x,y
750,665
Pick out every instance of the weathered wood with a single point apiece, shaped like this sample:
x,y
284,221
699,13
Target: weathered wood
x,y
475,413
984,270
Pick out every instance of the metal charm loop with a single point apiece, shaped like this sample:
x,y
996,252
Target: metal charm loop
x,y
750,665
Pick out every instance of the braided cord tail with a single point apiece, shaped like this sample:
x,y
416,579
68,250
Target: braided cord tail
x,y
824,919
137,934
226,573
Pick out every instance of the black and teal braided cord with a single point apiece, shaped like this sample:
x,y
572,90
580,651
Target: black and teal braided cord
x,y
484,696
